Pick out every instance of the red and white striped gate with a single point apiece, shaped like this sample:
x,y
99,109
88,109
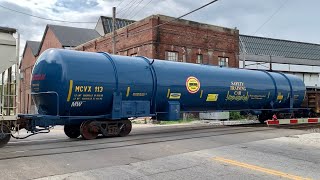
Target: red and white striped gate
x,y
294,121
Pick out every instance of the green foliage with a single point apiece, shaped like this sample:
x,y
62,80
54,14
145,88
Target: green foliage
x,y
176,122
235,115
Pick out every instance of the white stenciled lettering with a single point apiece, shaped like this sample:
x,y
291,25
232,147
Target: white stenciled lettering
x,y
76,104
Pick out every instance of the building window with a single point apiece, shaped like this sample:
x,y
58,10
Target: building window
x,y
223,61
200,59
171,56
134,55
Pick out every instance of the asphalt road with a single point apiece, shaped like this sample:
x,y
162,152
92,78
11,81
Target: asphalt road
x,y
167,152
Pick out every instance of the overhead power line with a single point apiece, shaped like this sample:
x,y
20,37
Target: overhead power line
x,y
141,9
119,3
270,17
132,10
127,7
43,18
211,2
175,19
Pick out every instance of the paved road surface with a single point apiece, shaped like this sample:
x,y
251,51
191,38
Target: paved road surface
x,y
172,152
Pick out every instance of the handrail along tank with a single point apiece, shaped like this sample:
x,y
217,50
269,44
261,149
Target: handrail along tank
x,y
88,83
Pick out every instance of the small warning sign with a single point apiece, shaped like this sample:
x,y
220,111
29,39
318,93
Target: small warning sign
x,y
212,97
192,84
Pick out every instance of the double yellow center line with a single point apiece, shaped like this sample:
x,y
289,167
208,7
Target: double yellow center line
x,y
260,169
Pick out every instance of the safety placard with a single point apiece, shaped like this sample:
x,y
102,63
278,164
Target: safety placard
x,y
212,97
192,84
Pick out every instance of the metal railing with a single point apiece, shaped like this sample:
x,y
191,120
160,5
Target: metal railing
x,y
8,100
9,88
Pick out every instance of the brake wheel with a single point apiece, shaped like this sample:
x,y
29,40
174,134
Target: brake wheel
x,y
5,135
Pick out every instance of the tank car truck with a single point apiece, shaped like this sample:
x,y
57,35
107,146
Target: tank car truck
x,y
93,94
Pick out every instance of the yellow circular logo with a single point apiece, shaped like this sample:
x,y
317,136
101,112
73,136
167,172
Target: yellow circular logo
x,y
192,84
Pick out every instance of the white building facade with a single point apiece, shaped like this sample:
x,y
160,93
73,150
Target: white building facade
x,y
298,58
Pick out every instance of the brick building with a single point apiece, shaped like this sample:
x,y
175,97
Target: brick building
x,y
29,58
181,40
65,37
54,37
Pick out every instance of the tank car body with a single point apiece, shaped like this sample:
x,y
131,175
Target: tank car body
x,y
96,93
90,84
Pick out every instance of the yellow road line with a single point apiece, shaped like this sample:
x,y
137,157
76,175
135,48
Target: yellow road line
x,y
260,169
70,90
168,93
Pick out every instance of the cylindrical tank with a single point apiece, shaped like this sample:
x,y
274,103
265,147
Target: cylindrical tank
x,y
74,83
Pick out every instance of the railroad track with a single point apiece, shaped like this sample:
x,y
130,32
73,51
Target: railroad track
x,y
133,140
135,134
182,132
65,146
162,132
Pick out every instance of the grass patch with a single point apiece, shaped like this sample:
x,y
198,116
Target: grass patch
x,y
176,122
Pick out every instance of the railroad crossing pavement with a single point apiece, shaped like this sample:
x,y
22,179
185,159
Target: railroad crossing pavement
x,y
292,157
172,152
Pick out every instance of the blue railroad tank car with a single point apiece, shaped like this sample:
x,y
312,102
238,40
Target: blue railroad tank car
x,y
70,84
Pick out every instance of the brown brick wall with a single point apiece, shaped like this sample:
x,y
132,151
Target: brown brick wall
x,y
191,39
130,40
26,69
185,37
50,41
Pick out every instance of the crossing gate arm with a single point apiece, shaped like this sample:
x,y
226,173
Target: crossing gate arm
x,y
293,121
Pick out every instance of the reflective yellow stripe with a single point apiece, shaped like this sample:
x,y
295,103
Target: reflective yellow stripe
x,y
70,90
260,169
201,93
128,91
168,94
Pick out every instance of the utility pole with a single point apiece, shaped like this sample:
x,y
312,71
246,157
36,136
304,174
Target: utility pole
x,y
113,30
270,63
17,76
244,60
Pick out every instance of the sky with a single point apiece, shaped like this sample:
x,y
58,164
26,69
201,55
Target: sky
x,y
295,20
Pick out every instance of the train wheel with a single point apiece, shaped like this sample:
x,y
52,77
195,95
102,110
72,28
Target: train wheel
x,y
72,131
88,130
263,118
5,135
126,129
